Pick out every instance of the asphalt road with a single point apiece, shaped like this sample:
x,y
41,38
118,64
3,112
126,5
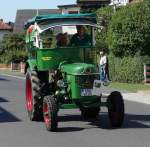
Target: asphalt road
x,y
17,131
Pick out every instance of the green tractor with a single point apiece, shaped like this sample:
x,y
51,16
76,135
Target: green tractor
x,y
61,70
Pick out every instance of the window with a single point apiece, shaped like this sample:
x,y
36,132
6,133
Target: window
x,y
73,12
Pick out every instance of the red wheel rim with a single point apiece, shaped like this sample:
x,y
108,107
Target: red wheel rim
x,y
29,100
47,118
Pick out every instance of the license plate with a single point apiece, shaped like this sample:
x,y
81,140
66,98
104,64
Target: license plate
x,y
86,92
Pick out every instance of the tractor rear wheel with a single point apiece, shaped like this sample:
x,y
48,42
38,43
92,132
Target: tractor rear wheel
x,y
33,99
116,109
50,110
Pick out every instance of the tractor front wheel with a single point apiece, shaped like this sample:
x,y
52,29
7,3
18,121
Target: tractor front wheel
x,y
116,109
50,113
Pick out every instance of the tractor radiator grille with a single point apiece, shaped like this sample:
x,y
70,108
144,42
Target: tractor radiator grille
x,y
86,81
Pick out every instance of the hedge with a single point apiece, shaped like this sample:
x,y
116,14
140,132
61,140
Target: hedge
x,y
127,69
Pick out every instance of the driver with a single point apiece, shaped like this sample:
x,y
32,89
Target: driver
x,y
81,38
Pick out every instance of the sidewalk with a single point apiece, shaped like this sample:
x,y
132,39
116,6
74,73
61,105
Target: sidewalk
x,y
140,97
13,73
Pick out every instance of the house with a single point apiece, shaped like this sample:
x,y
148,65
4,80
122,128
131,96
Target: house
x,y
93,3
5,28
101,3
23,15
119,2
123,2
69,9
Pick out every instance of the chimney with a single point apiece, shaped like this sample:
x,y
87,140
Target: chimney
x,y
1,20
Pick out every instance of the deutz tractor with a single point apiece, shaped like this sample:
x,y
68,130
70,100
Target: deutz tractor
x,y
65,75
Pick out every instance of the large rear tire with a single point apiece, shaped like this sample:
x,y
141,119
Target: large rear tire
x,y
50,110
33,99
116,109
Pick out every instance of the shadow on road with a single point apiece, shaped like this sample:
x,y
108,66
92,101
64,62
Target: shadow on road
x,y
102,122
130,121
67,118
137,121
2,100
92,123
3,79
6,116
69,129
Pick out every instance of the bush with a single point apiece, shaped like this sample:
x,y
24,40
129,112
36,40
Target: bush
x,y
12,47
129,31
104,16
127,69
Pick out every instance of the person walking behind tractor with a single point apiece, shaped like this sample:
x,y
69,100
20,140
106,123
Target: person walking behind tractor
x,y
104,73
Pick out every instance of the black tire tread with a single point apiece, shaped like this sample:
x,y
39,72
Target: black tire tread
x,y
36,114
117,102
53,109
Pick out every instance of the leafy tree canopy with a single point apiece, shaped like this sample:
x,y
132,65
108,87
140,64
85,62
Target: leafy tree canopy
x,y
12,48
129,30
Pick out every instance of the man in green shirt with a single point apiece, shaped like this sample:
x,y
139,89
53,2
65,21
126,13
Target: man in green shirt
x,y
80,38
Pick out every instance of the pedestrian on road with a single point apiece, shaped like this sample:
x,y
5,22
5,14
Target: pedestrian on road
x,y
103,67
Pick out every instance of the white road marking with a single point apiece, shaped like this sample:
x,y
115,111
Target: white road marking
x,y
18,77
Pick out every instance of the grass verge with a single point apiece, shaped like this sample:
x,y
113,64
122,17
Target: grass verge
x,y
129,87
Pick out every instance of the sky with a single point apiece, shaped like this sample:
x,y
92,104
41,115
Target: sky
x,y
8,8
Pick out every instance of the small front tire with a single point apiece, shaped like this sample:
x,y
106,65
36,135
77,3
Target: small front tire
x,y
50,113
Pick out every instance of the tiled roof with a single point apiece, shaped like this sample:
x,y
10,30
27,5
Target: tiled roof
x,y
93,3
23,15
4,26
66,6
92,0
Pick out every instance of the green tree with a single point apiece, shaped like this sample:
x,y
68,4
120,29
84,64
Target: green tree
x,y
104,16
129,30
12,48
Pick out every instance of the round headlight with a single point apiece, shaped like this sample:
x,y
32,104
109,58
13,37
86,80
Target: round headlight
x,y
60,83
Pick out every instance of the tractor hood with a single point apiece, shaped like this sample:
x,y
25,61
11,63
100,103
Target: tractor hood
x,y
78,68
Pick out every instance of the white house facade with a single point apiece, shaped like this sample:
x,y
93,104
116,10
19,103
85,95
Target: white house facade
x,y
120,2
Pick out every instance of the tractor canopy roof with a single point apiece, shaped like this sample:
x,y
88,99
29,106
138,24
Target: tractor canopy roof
x,y
61,19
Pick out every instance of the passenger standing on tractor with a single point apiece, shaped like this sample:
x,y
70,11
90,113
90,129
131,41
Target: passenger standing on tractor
x,y
80,38
104,73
